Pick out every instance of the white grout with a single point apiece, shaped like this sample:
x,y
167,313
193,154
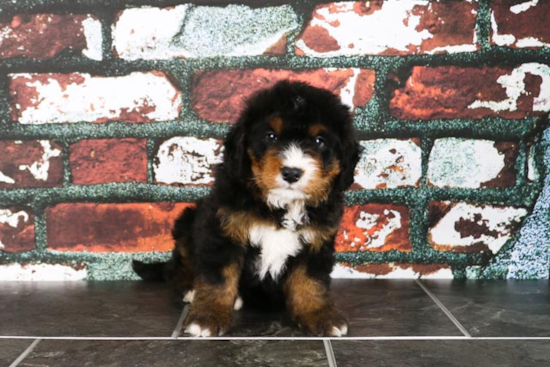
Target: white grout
x,y
331,359
367,338
179,325
25,353
444,309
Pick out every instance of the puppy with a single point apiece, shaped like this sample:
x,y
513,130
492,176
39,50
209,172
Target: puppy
x,y
266,231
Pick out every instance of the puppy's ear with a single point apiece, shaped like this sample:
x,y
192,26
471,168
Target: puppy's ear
x,y
351,151
234,155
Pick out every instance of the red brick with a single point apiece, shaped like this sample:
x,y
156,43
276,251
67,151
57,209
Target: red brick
x,y
74,97
472,93
374,227
16,230
132,227
220,95
389,28
31,163
520,24
108,160
44,36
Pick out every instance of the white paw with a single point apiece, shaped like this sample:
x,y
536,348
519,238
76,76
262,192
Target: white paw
x,y
197,331
189,297
339,331
238,304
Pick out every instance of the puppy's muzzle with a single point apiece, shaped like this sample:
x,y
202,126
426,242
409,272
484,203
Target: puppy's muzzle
x,y
291,174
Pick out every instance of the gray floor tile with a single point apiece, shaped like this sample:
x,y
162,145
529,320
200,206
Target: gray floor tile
x,y
11,349
390,308
497,307
86,353
373,308
451,353
86,309
254,323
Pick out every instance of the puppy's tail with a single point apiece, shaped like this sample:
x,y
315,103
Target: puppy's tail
x,y
152,272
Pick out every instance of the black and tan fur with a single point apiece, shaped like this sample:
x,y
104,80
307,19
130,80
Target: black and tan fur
x,y
228,245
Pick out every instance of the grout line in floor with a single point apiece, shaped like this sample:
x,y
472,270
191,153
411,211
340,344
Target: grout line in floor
x,y
331,359
179,325
444,309
371,338
25,353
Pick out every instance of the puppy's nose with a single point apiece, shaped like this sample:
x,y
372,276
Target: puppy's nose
x,y
291,174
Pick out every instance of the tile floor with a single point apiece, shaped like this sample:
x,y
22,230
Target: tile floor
x,y
392,323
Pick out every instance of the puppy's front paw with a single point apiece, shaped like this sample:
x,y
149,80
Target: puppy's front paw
x,y
324,322
205,324
239,303
197,330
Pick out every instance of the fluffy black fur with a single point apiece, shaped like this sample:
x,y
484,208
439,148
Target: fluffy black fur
x,y
205,250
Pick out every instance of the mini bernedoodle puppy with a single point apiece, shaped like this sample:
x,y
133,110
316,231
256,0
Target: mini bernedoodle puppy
x,y
265,233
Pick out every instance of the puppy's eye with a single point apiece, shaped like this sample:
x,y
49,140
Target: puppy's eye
x,y
270,137
320,141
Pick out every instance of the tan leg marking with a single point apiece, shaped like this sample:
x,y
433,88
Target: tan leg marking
x,y
212,308
311,305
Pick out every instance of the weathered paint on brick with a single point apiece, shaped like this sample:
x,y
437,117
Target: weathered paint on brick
x,y
389,27
474,93
187,160
42,272
219,95
533,173
465,227
374,227
30,163
472,163
520,25
389,164
69,98
124,227
529,256
98,161
16,230
524,256
236,30
44,36
393,271
148,33
201,31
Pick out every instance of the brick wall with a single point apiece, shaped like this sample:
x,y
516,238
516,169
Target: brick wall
x,y
112,115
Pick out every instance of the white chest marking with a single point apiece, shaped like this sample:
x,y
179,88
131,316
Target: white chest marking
x,y
276,246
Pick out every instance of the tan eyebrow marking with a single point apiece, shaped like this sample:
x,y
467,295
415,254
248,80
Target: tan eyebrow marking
x,y
316,129
276,124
